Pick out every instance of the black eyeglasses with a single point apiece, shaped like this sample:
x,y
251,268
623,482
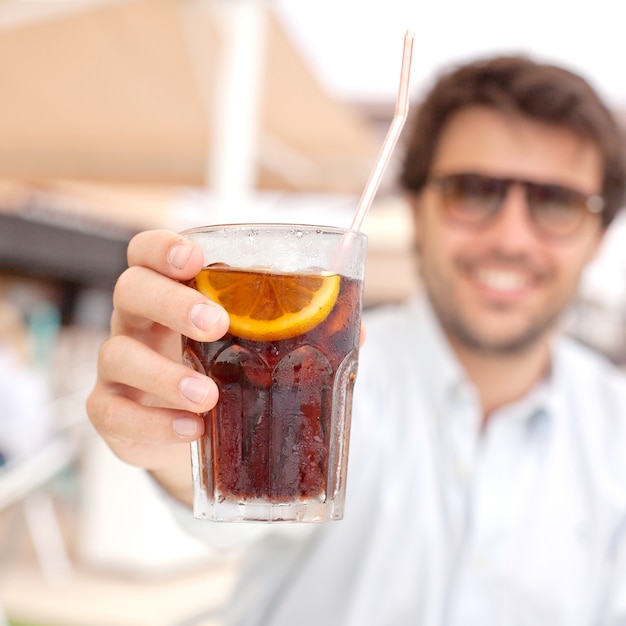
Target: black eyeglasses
x,y
473,200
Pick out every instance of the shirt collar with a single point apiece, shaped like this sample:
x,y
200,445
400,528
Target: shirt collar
x,y
439,370
445,380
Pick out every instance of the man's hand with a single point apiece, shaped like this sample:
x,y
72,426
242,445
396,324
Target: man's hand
x,y
145,402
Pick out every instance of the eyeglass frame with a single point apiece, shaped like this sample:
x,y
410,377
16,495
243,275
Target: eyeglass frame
x,y
594,204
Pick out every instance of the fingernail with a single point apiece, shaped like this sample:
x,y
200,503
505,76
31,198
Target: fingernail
x,y
205,316
194,389
185,426
179,255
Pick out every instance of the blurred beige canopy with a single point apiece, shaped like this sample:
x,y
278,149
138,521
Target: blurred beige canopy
x,y
126,92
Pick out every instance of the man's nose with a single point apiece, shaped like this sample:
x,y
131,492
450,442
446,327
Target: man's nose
x,y
513,224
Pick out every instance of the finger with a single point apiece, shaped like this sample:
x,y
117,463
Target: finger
x,y
132,429
128,362
143,296
167,253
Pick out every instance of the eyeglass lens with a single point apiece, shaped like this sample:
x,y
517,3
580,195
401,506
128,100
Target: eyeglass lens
x,y
475,199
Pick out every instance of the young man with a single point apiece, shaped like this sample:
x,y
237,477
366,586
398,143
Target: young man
x,y
487,477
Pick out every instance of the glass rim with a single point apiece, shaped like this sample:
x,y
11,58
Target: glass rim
x,y
278,226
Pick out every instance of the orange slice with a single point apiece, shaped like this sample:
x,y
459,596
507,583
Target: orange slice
x,y
266,306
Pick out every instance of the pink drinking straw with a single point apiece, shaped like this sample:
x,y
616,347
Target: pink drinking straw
x,y
399,118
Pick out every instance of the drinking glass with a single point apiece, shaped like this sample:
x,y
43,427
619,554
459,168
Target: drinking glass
x,y
275,447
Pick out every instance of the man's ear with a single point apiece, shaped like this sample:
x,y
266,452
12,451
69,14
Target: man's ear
x,y
597,244
414,200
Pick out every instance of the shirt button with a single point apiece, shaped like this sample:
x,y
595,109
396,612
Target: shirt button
x,y
480,562
463,469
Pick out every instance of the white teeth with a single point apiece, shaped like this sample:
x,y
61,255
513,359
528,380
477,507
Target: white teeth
x,y
504,281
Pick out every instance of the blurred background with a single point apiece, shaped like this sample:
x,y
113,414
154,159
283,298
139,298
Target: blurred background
x,y
122,115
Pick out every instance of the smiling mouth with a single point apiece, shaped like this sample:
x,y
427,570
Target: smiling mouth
x,y
504,281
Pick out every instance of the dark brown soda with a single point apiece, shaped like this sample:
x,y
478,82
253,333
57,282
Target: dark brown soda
x,y
271,435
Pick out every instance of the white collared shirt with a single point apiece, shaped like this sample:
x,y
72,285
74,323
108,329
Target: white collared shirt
x,y
523,523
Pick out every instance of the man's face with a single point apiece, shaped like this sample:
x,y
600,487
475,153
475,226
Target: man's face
x,y
500,288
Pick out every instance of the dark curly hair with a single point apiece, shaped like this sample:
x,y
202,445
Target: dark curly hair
x,y
516,84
